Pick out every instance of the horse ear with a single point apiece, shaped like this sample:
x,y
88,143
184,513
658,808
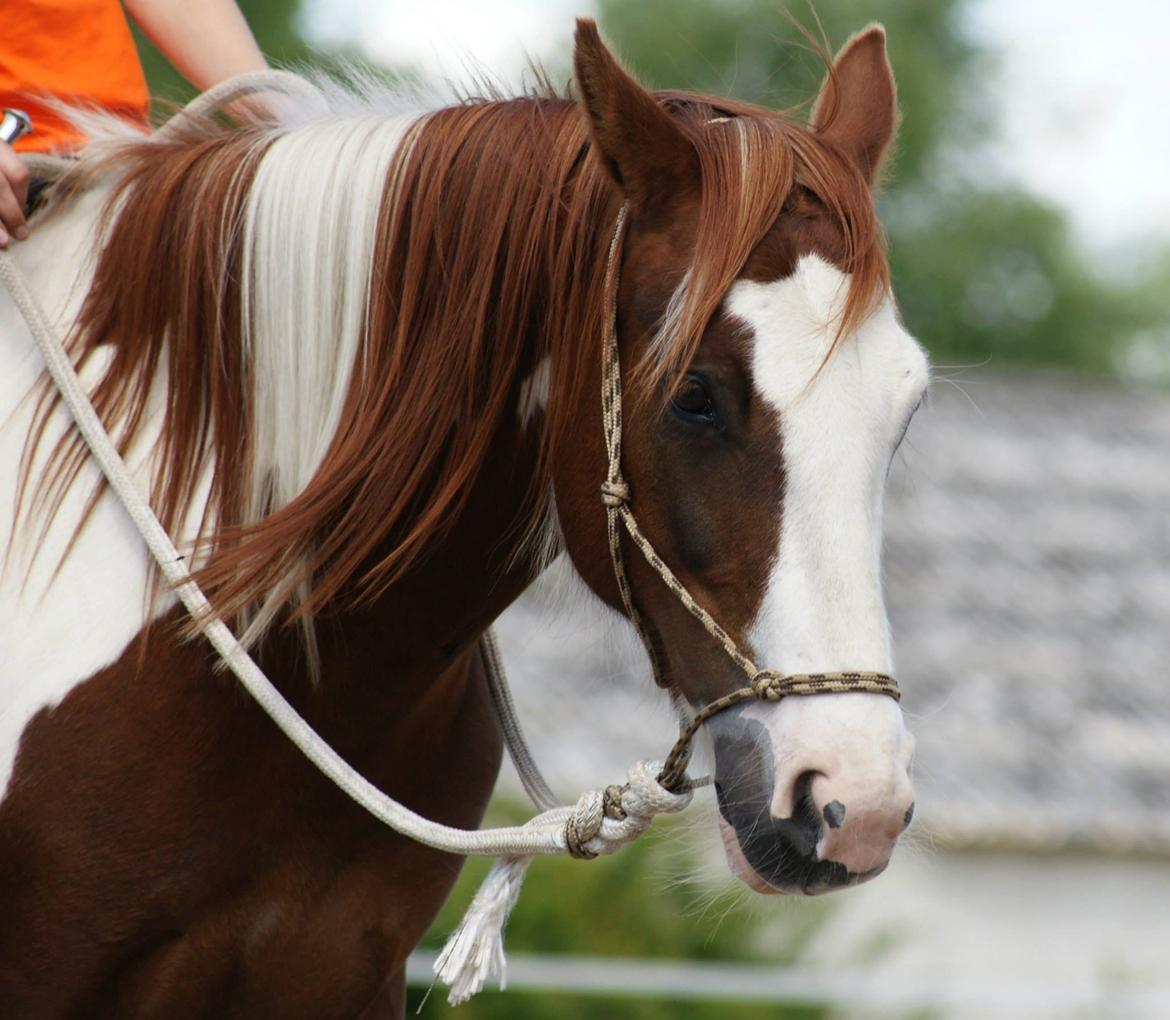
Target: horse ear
x,y
857,109
642,149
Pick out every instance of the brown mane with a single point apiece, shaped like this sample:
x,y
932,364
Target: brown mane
x,y
490,253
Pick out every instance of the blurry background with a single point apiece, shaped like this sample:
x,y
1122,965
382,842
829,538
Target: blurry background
x,y
1028,535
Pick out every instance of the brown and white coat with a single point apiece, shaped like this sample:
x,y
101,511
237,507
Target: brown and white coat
x,y
354,359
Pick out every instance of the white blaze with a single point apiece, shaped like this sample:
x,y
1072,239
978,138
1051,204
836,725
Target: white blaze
x,y
841,415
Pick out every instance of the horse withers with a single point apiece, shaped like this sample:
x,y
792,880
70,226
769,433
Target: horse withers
x,y
354,358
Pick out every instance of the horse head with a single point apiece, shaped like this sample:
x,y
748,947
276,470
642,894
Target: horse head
x,y
768,382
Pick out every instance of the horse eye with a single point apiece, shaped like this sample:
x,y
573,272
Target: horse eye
x,y
692,402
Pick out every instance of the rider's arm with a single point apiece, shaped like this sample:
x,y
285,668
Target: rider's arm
x,y
206,40
13,192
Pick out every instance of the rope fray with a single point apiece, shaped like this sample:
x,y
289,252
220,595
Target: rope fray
x,y
475,951
602,822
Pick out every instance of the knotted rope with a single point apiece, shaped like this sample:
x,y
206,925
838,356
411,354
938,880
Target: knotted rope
x,y
602,822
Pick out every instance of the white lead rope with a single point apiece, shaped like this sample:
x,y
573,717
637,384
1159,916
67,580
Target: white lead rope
x,y
533,838
475,951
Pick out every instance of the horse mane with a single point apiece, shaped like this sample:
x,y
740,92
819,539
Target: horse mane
x,y
338,312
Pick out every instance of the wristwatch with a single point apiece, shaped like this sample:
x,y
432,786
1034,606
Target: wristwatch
x,y
14,124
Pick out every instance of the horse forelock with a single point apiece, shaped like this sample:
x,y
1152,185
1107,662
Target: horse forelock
x,y
345,309
753,163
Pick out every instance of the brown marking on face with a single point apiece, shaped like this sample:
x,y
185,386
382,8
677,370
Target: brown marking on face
x,y
804,227
709,498
709,495
712,497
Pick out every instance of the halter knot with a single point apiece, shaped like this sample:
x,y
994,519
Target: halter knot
x,y
584,824
768,685
611,801
615,493
605,820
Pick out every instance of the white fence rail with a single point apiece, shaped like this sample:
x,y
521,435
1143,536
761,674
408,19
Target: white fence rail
x,y
691,980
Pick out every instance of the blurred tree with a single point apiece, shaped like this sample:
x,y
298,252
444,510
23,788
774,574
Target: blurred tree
x,y
993,276
755,50
1148,357
983,273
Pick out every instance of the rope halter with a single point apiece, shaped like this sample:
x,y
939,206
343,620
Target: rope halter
x,y
616,496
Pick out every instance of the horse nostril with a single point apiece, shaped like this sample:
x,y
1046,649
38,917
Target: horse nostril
x,y
834,814
804,807
909,817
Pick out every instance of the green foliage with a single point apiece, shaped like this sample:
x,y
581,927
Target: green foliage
x,y
757,51
543,1006
627,905
997,267
1147,358
983,274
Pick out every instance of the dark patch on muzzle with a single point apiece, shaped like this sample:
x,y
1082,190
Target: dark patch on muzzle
x,y
781,850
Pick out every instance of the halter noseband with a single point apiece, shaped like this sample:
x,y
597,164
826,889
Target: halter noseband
x,y
763,684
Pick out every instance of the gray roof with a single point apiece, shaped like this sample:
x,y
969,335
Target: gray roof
x,y
1028,582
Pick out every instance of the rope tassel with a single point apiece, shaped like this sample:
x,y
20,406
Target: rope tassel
x,y
475,951
601,822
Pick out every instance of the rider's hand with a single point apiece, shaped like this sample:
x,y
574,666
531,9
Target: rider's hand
x,y
13,194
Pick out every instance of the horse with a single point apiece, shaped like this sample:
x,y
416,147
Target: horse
x,y
352,355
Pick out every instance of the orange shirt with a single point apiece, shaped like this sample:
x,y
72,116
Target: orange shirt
x,y
74,50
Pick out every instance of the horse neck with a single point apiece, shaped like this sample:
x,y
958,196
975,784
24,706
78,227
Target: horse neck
x,y
440,608
395,684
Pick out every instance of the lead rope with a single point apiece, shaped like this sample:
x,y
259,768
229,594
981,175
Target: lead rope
x,y
601,821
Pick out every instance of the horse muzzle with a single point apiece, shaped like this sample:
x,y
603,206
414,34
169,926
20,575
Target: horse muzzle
x,y
802,814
